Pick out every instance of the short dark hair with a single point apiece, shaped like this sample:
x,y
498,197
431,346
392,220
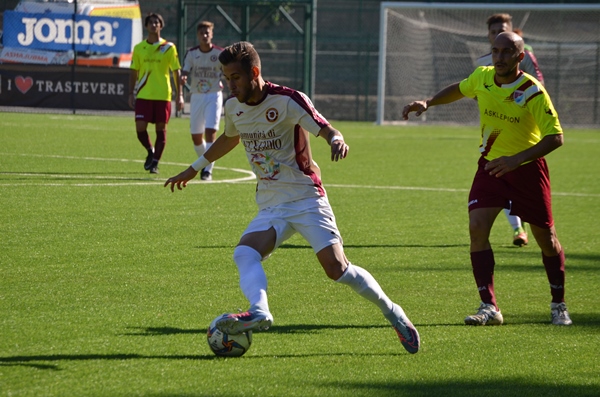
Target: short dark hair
x,y
499,18
242,52
205,24
155,15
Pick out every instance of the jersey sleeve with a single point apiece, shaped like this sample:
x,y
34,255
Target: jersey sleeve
x,y
175,65
229,130
135,60
301,109
187,62
545,115
468,86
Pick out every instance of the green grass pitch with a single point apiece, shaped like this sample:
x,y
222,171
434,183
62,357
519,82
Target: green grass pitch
x,y
108,281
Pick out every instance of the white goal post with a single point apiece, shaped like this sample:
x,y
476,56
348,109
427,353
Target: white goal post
x,y
424,47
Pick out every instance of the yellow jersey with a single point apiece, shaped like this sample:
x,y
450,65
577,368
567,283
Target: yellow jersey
x,y
514,117
153,63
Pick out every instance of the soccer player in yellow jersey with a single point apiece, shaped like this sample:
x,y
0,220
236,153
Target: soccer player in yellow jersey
x,y
150,88
519,126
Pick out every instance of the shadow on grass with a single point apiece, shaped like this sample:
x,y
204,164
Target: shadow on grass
x,y
29,361
308,247
74,176
300,246
485,387
285,329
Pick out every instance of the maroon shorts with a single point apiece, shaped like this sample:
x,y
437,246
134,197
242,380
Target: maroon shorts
x,y
526,191
152,111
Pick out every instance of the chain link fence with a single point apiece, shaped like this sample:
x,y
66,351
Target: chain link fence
x,y
343,68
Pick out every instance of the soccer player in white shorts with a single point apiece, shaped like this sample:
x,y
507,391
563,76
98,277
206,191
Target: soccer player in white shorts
x,y
202,68
274,125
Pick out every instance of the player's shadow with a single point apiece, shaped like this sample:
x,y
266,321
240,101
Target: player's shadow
x,y
158,331
33,361
300,246
308,247
74,176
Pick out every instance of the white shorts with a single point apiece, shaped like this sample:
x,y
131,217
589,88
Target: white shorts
x,y
205,111
312,217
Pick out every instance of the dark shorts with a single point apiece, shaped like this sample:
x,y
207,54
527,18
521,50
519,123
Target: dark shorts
x,y
152,111
526,191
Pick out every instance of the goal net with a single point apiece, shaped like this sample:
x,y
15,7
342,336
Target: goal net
x,y
425,47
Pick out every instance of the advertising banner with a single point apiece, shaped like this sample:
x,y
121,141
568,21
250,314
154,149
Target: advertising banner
x,y
55,32
58,87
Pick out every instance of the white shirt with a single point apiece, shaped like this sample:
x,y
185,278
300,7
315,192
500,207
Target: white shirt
x,y
275,135
204,70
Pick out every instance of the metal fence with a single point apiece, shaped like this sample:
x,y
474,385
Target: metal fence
x,y
343,69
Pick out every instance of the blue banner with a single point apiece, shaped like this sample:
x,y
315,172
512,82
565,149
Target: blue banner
x,y
54,32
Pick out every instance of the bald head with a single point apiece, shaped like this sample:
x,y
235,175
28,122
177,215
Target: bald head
x,y
510,39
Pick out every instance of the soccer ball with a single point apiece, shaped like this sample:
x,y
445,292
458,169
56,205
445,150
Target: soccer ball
x,y
226,345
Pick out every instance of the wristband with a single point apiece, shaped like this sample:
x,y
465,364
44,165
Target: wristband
x,y
200,163
336,138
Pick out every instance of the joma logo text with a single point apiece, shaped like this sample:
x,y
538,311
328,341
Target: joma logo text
x,y
48,30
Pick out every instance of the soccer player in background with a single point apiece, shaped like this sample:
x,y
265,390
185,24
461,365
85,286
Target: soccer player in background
x,y
497,24
202,71
519,127
274,125
150,88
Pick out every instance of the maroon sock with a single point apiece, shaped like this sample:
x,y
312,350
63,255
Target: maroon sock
x,y
555,270
144,139
483,270
159,145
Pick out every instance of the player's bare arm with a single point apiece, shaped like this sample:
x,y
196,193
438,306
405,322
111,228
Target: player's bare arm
x,y
339,148
133,75
219,148
504,164
447,95
179,88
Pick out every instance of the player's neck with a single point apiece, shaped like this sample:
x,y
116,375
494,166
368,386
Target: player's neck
x,y
508,79
259,92
205,47
153,38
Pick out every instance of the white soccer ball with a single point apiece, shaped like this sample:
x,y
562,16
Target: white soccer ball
x,y
226,345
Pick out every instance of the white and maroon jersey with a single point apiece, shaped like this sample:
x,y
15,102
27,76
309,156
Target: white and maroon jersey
x,y
204,70
275,135
529,64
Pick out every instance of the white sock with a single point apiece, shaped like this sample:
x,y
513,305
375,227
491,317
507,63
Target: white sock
x,y
209,167
200,149
366,286
253,280
515,221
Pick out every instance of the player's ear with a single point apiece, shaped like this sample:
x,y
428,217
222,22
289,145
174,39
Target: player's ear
x,y
521,56
255,72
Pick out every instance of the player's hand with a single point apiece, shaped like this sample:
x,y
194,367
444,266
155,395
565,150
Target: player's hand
x,y
418,107
339,150
502,165
180,103
182,179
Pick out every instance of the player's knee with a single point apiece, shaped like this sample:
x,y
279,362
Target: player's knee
x,y
478,228
242,254
334,269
